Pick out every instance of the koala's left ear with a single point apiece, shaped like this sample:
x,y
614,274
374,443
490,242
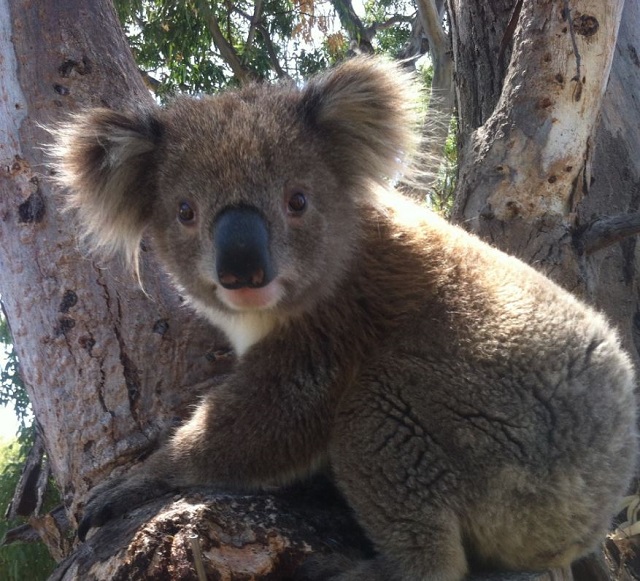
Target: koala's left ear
x,y
107,161
366,109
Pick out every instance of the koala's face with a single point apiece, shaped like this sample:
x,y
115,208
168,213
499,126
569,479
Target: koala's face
x,y
252,198
248,214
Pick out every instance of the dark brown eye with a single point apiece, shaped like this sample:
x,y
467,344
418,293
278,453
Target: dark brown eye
x,y
186,214
297,203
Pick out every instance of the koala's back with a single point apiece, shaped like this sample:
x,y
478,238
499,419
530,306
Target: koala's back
x,y
498,410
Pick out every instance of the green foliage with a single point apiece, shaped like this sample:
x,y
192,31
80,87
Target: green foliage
x,y
172,44
390,40
175,42
442,197
12,391
18,561
312,62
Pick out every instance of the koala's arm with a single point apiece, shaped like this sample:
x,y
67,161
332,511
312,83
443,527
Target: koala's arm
x,y
267,425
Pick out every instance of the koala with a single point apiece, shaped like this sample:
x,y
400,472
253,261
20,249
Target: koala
x,y
470,410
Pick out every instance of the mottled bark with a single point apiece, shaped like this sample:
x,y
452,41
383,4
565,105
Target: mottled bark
x,y
530,159
106,366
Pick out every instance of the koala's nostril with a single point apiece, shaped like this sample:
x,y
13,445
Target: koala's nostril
x,y
228,280
258,278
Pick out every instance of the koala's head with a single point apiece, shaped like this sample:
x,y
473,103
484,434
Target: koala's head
x,y
252,198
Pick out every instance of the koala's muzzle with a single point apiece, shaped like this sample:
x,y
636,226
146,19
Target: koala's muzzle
x,y
241,240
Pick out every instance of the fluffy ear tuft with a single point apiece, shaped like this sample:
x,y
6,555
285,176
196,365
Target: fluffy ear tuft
x,y
106,161
367,108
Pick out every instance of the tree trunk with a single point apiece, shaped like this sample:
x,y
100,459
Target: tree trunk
x,y
105,365
611,270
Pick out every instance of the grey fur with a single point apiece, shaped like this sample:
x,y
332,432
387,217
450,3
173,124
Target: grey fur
x,y
467,405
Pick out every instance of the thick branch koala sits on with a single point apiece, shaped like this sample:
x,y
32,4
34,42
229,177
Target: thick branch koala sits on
x,y
469,408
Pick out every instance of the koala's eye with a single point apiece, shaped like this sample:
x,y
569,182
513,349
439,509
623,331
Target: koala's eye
x,y
297,203
186,214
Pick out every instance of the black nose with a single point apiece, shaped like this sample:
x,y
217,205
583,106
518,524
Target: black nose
x,y
243,257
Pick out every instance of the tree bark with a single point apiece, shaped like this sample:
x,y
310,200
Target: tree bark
x,y
611,272
531,157
106,366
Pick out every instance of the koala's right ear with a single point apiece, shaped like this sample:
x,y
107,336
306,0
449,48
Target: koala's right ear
x,y
107,162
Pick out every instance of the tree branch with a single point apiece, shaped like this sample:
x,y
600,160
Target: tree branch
x,y
358,33
431,16
227,52
609,230
372,29
271,51
150,82
255,19
416,44
27,498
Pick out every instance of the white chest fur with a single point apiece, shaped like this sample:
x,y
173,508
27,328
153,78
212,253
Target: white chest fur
x,y
242,329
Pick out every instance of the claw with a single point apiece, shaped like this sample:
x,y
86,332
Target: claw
x,y
116,497
93,519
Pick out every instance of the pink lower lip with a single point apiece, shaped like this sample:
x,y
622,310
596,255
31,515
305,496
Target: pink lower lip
x,y
251,298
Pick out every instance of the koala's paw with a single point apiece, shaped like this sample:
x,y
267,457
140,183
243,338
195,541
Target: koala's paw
x,y
115,497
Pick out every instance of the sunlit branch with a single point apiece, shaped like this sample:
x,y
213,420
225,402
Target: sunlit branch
x,y
227,51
